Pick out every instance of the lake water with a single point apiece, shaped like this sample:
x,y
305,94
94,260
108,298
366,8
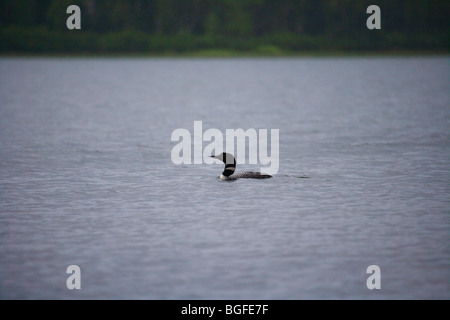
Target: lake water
x,y
86,178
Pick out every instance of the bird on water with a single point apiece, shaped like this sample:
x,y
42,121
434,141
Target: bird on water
x,y
230,167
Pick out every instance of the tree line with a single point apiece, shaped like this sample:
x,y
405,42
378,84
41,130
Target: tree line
x,y
243,25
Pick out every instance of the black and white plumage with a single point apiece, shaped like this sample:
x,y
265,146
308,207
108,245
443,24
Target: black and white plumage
x,y
230,167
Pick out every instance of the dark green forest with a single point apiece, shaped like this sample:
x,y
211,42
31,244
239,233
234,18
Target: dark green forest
x,y
266,27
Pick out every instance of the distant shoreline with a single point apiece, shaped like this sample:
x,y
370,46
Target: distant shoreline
x,y
27,41
204,54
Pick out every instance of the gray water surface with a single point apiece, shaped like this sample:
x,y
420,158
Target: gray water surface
x,y
86,178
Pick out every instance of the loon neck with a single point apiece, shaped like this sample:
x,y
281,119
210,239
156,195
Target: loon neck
x,y
229,169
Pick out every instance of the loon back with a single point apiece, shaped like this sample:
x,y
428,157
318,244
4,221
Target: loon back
x,y
251,175
230,167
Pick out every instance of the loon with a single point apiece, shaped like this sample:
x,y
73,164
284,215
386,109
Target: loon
x,y
230,166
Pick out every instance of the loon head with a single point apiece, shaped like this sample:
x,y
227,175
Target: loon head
x,y
230,163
